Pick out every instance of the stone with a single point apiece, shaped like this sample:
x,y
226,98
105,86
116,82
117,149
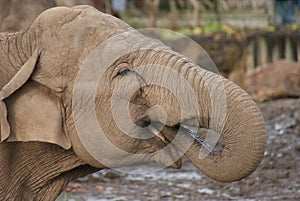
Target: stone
x,y
275,80
16,15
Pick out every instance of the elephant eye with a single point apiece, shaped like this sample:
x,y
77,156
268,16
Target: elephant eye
x,y
124,71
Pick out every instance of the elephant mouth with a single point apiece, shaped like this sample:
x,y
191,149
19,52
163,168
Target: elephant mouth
x,y
209,140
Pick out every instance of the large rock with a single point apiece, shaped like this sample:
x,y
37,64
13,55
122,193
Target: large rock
x,y
272,81
16,15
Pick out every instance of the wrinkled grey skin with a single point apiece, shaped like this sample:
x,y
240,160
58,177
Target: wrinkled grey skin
x,y
40,149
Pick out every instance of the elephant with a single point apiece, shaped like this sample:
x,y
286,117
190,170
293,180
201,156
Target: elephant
x,y
47,137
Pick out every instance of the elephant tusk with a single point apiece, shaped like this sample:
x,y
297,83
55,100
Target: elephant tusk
x,y
157,133
198,139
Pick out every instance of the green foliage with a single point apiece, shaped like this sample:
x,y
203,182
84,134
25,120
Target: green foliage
x,y
211,27
185,31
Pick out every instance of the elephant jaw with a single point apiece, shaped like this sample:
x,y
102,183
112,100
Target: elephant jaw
x,y
169,157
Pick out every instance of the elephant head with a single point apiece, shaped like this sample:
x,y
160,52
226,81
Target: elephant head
x,y
90,84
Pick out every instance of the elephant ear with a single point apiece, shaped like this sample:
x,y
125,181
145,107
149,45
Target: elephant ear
x,y
30,112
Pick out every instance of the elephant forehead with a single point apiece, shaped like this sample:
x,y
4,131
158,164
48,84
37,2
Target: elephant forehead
x,y
81,17
68,36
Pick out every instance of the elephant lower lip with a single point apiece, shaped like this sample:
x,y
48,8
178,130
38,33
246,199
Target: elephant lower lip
x,y
173,154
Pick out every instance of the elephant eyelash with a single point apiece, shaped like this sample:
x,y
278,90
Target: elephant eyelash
x,y
124,72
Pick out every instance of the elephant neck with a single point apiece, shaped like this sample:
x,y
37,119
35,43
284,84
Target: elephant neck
x,y
15,50
41,171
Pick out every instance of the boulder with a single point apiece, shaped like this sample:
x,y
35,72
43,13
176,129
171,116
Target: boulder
x,y
16,15
273,81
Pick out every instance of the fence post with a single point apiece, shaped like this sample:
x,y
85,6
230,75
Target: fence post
x,y
262,50
250,56
288,54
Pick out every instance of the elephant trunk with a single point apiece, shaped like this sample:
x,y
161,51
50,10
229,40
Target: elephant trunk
x,y
227,110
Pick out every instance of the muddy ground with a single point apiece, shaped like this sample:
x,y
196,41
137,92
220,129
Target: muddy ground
x,y
276,178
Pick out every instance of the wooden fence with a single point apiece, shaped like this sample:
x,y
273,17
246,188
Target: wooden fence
x,y
267,47
234,57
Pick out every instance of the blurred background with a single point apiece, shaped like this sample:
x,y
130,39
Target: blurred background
x,y
254,43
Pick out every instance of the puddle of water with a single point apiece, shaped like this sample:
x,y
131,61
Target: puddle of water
x,y
206,191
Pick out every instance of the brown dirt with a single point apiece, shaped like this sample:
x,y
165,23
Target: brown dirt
x,y
276,178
